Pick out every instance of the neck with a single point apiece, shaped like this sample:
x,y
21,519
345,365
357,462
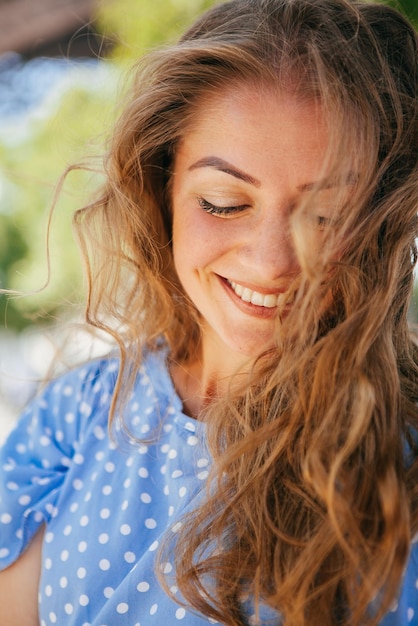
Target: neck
x,y
207,375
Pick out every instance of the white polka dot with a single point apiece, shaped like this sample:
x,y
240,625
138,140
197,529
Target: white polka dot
x,y
165,448
103,538
82,546
180,613
394,606
129,557
53,618
68,608
153,609
6,518
78,459
127,483
11,486
4,552
108,592
203,475
146,498
81,573
63,582
177,474
125,529
77,484
170,510
85,408
104,565
107,490
143,472
192,440
124,505
105,513
64,555
410,614
202,463
69,418
122,608
150,523
24,500
176,527
48,591
167,568
153,546
84,520
172,454
49,537
143,587
110,467
48,564
182,492
84,600
67,530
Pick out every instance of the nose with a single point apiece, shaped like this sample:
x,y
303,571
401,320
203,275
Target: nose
x,y
269,248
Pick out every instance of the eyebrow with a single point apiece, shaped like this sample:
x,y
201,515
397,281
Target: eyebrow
x,y
352,179
227,168
223,166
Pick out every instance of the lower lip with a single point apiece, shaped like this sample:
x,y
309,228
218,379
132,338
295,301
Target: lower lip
x,y
260,312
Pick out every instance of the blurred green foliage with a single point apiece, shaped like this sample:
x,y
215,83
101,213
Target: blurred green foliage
x,y
31,165
407,7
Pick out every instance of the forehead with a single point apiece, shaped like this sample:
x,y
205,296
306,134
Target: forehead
x,y
253,102
260,129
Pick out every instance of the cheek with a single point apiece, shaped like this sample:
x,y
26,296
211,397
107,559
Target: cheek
x,y
197,241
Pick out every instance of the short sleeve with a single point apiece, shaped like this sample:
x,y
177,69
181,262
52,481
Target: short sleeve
x,y
42,447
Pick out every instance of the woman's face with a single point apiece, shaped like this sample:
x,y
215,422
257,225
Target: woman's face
x,y
249,159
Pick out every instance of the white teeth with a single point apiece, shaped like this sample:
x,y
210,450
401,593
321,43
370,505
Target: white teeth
x,y
255,297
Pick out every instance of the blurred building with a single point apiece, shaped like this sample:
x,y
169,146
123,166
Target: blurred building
x,y
50,28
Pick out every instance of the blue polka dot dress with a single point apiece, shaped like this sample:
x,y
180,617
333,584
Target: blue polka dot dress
x,y
107,506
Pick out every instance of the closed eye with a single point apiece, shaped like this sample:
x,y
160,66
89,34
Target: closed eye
x,y
323,222
222,211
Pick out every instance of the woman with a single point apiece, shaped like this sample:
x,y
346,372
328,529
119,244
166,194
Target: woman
x,y
252,252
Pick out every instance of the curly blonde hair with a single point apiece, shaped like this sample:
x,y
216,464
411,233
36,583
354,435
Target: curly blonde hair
x,y
312,501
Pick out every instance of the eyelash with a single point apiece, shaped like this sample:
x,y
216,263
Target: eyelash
x,y
223,211
323,222
212,209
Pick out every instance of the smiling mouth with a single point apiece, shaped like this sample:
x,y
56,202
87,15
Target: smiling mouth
x,y
268,301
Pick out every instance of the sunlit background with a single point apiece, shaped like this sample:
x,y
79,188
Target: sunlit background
x,y
62,68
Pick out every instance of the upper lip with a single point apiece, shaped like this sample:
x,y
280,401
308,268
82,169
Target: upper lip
x,y
266,291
